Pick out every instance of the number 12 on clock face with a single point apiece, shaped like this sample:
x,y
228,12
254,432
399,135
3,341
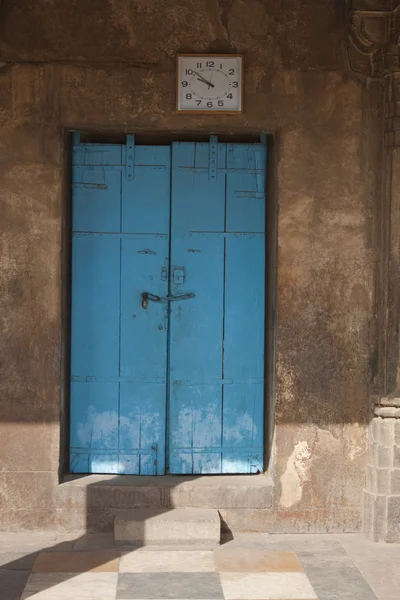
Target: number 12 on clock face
x,y
209,83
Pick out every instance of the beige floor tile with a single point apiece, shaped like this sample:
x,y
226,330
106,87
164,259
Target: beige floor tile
x,y
257,560
165,561
381,573
84,586
266,586
77,562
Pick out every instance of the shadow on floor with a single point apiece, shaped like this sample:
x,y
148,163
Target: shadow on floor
x,y
86,553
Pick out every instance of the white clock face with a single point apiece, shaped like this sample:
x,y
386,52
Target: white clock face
x,y
209,83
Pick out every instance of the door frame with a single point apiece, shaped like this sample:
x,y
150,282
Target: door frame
x,y
271,255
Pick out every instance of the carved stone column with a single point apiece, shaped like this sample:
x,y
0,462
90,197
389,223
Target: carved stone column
x,y
374,51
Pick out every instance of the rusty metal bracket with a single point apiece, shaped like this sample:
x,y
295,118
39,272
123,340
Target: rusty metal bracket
x,y
213,158
130,157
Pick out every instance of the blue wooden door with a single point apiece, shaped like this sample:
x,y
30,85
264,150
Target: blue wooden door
x,y
174,380
120,247
217,338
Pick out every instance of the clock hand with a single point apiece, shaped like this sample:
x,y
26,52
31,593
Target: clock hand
x,y
201,78
206,82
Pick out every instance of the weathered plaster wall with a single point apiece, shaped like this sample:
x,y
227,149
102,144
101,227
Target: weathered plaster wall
x,y
110,66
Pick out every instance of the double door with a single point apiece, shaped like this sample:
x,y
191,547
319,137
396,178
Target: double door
x,y
167,322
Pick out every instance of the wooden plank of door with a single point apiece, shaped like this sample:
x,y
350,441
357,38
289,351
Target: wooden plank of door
x,y
95,312
217,339
144,268
243,409
196,326
120,249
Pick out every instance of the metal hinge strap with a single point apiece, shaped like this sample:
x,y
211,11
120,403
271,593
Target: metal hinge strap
x,y
213,158
130,157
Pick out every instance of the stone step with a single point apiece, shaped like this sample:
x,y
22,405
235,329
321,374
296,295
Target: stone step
x,y
90,502
184,526
135,491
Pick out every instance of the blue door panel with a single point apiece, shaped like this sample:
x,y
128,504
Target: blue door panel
x,y
95,306
198,204
98,211
196,349
245,183
142,427
176,383
244,353
94,427
243,434
146,197
217,240
143,350
196,325
143,332
118,349
244,307
243,415
96,188
196,433
97,155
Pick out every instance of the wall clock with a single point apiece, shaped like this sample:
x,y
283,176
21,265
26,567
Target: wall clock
x,y
209,83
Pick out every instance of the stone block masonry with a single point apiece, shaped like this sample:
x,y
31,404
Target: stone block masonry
x,y
374,52
381,502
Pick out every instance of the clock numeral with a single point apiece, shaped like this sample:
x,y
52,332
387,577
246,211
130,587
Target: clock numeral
x,y
235,84
220,66
198,102
210,63
209,104
231,71
189,71
220,103
199,65
188,96
184,83
230,96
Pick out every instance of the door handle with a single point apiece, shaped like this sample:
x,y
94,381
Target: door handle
x,y
146,296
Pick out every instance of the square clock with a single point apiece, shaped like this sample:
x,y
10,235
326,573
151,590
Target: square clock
x,y
209,83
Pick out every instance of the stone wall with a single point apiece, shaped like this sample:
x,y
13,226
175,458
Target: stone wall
x,y
110,66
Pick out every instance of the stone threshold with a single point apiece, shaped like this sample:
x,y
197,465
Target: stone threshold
x,y
170,491
259,480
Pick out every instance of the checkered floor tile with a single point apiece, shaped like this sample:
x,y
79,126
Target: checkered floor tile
x,y
225,573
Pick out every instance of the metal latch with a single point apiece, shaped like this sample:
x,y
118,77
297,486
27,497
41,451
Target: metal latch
x,y
146,296
178,276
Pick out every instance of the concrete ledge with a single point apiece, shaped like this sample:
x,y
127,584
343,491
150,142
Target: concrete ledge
x,y
126,491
